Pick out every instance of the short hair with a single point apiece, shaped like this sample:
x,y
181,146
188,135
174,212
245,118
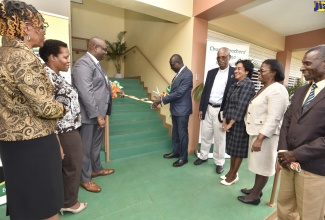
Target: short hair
x,y
177,58
226,49
275,66
51,47
248,66
320,49
13,15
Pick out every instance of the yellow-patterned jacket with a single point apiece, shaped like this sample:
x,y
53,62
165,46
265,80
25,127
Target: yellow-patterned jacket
x,y
27,107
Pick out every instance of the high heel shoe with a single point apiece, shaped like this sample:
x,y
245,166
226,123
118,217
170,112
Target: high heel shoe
x,y
246,191
253,202
223,177
82,206
224,182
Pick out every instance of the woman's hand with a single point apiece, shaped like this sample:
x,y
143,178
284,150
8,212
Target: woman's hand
x,y
224,125
62,153
257,145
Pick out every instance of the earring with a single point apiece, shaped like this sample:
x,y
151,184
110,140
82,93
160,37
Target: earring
x,y
28,38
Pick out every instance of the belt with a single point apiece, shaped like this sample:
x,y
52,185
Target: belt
x,y
215,106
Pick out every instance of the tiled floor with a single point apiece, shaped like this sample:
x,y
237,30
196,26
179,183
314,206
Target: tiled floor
x,y
148,187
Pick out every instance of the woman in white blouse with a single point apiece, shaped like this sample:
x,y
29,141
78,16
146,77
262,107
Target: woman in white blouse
x,y
56,56
263,121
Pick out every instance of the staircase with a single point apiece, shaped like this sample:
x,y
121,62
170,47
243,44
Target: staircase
x,y
134,127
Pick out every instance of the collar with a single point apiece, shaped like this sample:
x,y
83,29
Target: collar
x,y
93,58
181,69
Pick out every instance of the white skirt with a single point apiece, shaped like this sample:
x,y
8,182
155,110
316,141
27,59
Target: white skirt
x,y
263,162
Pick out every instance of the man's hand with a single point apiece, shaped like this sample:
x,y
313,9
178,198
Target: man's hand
x,y
156,102
122,93
285,158
101,122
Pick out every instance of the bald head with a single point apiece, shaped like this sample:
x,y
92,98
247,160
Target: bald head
x,y
94,41
97,47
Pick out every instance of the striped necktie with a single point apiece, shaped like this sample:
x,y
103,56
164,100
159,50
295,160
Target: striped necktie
x,y
310,96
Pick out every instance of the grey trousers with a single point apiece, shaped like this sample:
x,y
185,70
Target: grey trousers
x,y
91,138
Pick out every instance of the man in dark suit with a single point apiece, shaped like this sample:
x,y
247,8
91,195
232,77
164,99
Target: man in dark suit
x,y
212,103
95,97
302,140
180,107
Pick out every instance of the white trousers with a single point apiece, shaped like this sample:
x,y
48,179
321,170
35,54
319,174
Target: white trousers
x,y
211,129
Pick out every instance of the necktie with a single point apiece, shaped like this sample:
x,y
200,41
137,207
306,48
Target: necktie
x,y
103,72
310,96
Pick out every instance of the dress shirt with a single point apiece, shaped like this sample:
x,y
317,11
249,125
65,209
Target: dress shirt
x,y
219,86
320,86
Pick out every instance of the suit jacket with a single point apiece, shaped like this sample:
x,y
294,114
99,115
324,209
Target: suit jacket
x,y
95,92
208,87
304,133
180,94
265,112
238,97
28,109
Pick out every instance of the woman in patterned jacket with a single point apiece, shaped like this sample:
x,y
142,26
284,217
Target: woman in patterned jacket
x,y
29,150
56,56
238,97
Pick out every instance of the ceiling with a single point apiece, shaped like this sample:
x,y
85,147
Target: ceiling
x,y
286,17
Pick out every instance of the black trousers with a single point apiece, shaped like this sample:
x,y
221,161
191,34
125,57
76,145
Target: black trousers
x,y
180,136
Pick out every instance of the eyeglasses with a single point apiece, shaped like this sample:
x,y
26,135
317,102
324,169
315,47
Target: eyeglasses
x,y
44,26
222,57
103,48
262,71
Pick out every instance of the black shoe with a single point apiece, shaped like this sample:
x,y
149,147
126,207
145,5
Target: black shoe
x,y
247,192
253,202
171,155
219,169
199,161
179,163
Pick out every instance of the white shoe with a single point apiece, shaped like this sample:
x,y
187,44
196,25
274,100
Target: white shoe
x,y
224,182
223,177
82,206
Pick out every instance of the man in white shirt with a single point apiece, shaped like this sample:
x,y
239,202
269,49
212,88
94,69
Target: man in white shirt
x,y
212,102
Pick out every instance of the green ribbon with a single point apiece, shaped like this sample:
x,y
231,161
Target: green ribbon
x,y
118,84
168,89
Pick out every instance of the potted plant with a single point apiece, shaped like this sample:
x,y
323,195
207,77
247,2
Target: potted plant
x,y
115,52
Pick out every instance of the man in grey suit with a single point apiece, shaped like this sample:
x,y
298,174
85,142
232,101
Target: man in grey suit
x,y
302,140
180,107
95,97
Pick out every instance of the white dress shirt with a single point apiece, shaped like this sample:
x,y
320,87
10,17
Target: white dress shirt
x,y
219,86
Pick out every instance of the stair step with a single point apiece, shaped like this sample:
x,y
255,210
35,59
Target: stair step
x,y
136,135
134,127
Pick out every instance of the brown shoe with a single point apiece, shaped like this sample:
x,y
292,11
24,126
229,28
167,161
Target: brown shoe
x,y
91,186
103,172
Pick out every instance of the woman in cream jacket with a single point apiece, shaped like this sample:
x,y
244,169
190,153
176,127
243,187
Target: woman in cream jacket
x,y
263,121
